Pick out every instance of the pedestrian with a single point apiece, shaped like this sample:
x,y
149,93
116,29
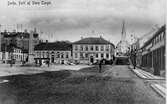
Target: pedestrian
x,y
134,59
100,66
48,62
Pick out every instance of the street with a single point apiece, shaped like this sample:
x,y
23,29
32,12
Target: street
x,y
117,84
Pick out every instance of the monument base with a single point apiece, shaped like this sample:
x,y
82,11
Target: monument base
x,y
31,58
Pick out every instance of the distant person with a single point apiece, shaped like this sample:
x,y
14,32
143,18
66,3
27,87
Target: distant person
x,y
48,63
134,59
100,66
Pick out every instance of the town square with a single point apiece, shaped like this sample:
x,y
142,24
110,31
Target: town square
x,y
83,52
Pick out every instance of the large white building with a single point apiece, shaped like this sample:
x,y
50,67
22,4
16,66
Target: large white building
x,y
91,50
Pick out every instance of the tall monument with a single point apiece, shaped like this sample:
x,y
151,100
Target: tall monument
x,y
31,47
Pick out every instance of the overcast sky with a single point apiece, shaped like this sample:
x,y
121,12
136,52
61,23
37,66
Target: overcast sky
x,y
71,19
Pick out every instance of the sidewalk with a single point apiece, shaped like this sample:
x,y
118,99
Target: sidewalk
x,y
160,87
145,75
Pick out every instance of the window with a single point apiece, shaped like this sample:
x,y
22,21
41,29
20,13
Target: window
x,y
62,55
102,48
58,55
66,55
75,55
43,54
91,48
40,54
48,54
107,48
163,34
81,55
86,55
97,55
81,48
97,48
102,55
76,47
158,38
107,55
86,48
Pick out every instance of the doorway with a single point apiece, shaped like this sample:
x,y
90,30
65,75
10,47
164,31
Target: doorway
x,y
52,59
91,59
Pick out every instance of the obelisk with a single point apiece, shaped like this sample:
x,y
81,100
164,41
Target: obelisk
x,y
31,48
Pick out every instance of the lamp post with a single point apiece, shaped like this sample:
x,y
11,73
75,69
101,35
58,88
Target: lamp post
x,y
11,55
23,62
133,57
48,58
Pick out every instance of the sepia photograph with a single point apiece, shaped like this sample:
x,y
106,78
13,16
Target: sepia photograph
x,y
82,51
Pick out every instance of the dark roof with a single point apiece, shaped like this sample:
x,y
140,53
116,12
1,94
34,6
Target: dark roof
x,y
59,45
92,40
160,30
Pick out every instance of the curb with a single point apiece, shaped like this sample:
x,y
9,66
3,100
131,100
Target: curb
x,y
156,88
144,76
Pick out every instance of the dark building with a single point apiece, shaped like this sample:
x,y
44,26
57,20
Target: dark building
x,y
19,39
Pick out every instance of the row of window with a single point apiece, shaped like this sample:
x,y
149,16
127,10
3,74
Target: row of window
x,y
91,48
85,55
17,51
57,55
19,57
159,38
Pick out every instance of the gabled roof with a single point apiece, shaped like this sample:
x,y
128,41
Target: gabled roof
x,y
59,46
92,40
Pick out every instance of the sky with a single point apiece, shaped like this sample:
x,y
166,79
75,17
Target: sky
x,y
73,19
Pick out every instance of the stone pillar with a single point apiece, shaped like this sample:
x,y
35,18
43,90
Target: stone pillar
x,y
31,48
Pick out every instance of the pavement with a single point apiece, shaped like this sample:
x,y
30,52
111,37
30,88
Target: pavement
x,y
159,84
115,85
6,70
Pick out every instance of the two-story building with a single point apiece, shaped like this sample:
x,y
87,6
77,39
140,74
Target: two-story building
x,y
57,52
12,52
91,50
153,52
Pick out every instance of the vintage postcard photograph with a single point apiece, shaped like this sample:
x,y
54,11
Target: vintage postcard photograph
x,y
82,51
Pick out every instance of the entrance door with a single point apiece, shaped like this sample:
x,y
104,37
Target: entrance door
x,y
91,59
52,59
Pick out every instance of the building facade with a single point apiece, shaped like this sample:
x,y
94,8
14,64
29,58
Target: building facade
x,y
57,52
14,53
20,39
91,50
153,52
